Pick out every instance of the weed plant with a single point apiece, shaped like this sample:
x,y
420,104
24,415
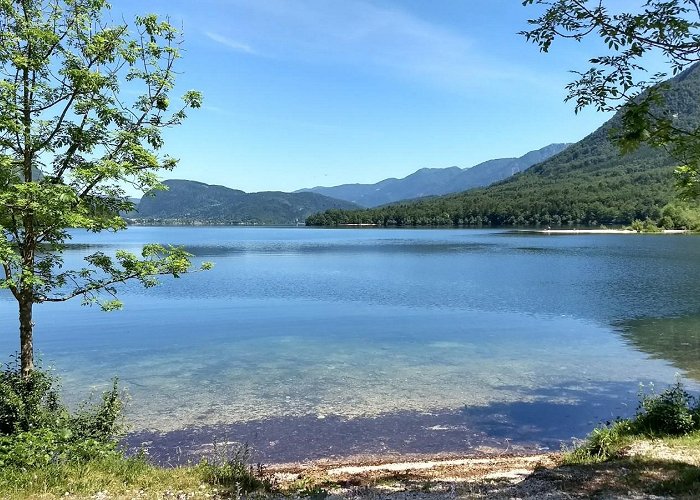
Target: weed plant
x,y
230,469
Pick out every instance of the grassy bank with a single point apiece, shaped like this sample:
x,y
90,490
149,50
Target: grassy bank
x,y
121,477
643,467
113,477
48,452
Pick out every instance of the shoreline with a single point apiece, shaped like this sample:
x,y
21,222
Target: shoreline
x,y
368,463
190,446
413,473
522,427
638,471
597,231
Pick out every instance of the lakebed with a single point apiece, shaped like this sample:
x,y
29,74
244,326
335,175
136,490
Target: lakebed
x,y
311,343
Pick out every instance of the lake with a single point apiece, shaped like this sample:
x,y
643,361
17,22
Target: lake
x,y
310,343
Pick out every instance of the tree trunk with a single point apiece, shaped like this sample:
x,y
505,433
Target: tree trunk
x,y
26,335
26,295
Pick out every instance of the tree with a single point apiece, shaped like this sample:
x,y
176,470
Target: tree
x,y
617,80
83,103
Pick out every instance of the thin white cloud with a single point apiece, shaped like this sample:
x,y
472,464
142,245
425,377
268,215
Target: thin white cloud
x,y
231,43
218,110
371,36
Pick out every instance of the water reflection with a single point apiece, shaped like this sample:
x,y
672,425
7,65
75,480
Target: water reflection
x,y
673,339
406,247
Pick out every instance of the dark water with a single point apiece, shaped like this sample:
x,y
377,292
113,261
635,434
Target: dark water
x,y
310,343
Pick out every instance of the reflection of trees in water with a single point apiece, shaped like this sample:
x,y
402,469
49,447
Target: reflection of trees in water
x,y
676,340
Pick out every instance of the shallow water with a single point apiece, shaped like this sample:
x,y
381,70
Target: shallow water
x,y
299,329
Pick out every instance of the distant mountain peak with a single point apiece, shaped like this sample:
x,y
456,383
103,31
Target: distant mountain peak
x,y
588,183
429,181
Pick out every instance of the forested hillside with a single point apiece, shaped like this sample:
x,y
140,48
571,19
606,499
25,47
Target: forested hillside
x,y
187,202
589,183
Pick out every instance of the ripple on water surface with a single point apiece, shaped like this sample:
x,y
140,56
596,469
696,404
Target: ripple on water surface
x,y
304,329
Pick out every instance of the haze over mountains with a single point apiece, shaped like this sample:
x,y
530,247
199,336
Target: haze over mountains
x,y
589,183
436,181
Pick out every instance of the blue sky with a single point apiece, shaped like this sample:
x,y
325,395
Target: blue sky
x,y
300,93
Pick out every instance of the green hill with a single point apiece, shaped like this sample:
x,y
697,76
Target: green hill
x,y
191,202
589,183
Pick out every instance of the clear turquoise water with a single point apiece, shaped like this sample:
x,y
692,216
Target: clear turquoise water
x,y
300,323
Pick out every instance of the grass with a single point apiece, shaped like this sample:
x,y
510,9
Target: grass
x,y
687,441
132,477
47,452
675,473
121,477
673,415
231,471
602,444
136,478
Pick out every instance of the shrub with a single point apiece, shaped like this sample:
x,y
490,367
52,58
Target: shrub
x,y
41,447
651,227
681,215
36,428
102,422
29,449
673,412
28,403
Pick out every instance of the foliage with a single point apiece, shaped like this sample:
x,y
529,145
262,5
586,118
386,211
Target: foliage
x,y
44,448
617,80
647,226
37,428
637,225
83,104
673,412
35,449
103,421
681,215
28,403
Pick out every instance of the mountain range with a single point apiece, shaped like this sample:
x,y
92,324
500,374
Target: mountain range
x,y
188,202
589,183
196,202
436,181
586,183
